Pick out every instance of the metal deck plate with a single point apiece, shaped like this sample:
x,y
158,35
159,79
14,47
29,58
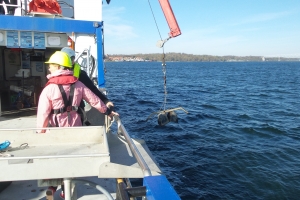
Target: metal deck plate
x,y
59,153
122,163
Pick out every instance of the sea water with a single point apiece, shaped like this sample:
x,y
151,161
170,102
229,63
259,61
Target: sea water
x,y
241,137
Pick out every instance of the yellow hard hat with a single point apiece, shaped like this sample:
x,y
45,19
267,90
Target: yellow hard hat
x,y
60,58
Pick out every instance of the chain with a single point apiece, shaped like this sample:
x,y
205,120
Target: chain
x,y
164,70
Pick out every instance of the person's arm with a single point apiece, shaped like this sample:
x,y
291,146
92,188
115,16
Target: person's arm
x,y
92,99
43,110
85,79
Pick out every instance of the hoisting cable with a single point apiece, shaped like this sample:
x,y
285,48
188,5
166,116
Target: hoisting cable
x,y
164,116
164,69
161,42
154,20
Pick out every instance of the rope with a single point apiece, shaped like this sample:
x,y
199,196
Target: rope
x,y
111,122
21,147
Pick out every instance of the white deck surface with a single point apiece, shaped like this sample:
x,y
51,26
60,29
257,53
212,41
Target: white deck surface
x,y
122,165
28,190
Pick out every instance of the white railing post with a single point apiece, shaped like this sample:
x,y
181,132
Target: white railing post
x,y
18,10
4,7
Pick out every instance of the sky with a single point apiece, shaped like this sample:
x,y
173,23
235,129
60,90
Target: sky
x,y
269,28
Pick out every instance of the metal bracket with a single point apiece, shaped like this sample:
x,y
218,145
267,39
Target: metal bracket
x,y
113,170
161,43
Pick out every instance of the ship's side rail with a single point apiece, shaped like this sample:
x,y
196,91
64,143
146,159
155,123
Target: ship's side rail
x,y
155,187
133,148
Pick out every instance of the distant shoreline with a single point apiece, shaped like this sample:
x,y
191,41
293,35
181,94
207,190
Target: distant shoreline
x,y
206,61
181,57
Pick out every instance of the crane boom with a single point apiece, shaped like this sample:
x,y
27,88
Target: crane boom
x,y
170,17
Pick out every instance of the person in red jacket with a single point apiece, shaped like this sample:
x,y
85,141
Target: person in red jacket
x,y
52,107
85,79
61,97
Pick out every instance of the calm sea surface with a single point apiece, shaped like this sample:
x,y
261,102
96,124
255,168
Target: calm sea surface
x,y
241,137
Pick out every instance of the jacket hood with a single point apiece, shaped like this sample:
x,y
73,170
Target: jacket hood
x,y
61,77
60,73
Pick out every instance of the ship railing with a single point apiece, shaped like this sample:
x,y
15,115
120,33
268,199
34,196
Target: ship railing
x,y
65,5
143,165
89,64
17,11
